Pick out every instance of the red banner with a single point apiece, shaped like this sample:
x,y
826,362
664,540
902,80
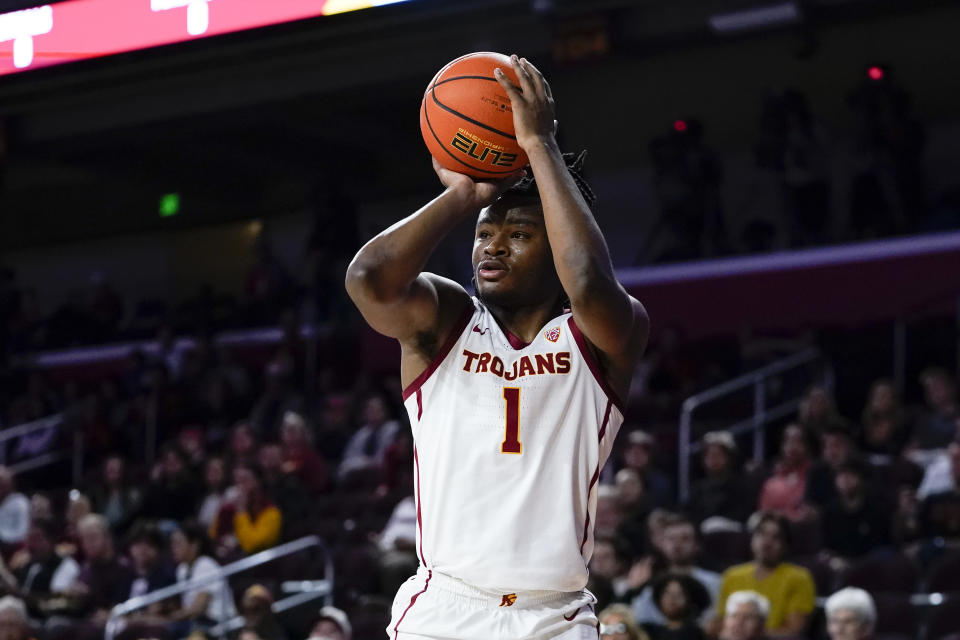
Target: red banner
x,y
80,29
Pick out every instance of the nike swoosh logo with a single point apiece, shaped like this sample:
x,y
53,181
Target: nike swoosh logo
x,y
569,618
476,328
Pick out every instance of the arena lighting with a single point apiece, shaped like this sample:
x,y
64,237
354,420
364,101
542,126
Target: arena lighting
x,y
773,15
54,34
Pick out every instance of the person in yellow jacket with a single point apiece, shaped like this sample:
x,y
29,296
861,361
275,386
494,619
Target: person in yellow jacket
x,y
257,522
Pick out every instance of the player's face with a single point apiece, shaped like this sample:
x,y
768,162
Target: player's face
x,y
512,261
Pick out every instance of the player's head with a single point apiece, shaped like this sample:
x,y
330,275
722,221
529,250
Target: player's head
x,y
512,261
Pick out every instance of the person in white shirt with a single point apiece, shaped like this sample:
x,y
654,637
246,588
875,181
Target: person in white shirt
x,y
203,605
368,445
680,547
14,511
943,474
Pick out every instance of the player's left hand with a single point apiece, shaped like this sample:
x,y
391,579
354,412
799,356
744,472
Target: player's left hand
x,y
532,103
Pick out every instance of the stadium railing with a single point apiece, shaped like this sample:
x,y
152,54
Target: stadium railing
x,y
315,589
759,379
41,443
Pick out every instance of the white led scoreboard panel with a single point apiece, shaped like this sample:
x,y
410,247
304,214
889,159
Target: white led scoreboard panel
x,y
63,32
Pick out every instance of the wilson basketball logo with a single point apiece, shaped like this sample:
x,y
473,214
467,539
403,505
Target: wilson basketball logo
x,y
552,334
482,151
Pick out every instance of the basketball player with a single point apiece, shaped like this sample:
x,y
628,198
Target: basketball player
x,y
514,401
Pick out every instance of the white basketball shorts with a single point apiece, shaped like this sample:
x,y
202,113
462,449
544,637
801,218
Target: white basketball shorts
x,y
434,606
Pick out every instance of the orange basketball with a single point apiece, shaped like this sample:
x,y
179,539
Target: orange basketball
x,y
466,119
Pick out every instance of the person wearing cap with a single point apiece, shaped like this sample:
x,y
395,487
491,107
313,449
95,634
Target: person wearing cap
x,y
722,492
256,606
331,624
638,455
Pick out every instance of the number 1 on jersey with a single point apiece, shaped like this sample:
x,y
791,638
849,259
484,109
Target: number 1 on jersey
x,y
511,439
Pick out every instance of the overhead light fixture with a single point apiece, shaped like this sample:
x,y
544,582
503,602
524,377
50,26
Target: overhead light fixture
x,y
773,15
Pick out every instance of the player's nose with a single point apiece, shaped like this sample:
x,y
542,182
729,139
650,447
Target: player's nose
x,y
496,246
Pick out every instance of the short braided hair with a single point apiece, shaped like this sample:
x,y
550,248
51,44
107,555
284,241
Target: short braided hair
x,y
527,186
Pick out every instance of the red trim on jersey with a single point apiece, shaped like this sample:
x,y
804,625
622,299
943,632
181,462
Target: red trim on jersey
x,y
419,405
515,341
455,334
416,465
595,367
570,619
593,480
412,600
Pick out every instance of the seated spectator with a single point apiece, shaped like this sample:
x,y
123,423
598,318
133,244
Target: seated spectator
x,y
243,445
366,448
852,524
38,572
783,492
151,572
14,624
258,617
299,457
943,474
218,493
851,615
114,497
634,507
205,605
638,455
611,560
788,588
171,495
836,449
617,623
817,410
679,546
746,616
253,520
397,542
681,600
331,624
14,512
883,420
41,507
723,492
935,425
105,578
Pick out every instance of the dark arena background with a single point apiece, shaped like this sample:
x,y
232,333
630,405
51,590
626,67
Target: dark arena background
x,y
183,182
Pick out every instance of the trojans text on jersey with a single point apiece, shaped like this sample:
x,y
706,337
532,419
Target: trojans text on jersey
x,y
537,364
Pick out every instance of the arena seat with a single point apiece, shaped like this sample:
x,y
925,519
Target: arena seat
x,y
895,614
883,572
944,620
944,574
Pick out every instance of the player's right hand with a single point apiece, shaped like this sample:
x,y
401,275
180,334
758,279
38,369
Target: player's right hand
x,y
477,194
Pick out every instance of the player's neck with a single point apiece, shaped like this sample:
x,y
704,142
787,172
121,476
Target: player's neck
x,y
525,322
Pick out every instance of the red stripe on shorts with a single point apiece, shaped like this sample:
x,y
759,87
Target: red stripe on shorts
x,y
412,600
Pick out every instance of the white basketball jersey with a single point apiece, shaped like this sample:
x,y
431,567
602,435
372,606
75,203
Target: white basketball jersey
x,y
509,443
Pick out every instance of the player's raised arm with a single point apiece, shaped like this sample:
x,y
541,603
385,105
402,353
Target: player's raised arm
x,y
611,319
385,278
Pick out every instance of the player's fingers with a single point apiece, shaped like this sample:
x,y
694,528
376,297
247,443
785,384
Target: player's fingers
x,y
526,82
536,78
513,91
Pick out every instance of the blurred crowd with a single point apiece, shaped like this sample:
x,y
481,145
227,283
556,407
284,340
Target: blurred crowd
x,y
865,182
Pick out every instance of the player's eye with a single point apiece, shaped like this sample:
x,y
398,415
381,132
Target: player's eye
x,y
483,234
521,235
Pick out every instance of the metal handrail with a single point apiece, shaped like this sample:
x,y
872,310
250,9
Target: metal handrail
x,y
244,564
41,460
761,414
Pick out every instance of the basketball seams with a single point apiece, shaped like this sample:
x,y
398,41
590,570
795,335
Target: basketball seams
x,y
437,102
426,117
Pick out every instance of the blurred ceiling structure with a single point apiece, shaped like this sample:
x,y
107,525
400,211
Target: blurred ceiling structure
x,y
251,123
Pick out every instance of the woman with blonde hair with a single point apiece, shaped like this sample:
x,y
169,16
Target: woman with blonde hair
x,y
617,623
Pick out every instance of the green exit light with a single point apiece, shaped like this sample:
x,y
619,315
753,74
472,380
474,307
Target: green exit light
x,y
169,205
